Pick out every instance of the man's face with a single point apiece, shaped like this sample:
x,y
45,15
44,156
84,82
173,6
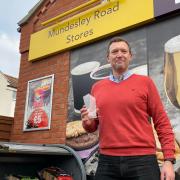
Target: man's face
x,y
119,56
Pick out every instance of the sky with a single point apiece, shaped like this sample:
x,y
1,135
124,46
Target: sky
x,y
10,14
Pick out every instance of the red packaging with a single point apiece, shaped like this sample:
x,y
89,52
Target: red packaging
x,y
65,178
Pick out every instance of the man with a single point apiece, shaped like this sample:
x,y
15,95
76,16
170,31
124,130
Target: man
x,y
125,103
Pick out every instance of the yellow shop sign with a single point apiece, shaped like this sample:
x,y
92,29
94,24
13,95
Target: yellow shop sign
x,y
94,23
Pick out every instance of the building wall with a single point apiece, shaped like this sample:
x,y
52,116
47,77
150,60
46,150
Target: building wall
x,y
5,128
7,103
57,65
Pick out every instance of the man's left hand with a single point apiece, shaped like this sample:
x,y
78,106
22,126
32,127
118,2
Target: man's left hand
x,y
167,172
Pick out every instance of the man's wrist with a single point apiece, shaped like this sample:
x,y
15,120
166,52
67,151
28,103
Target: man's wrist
x,y
172,160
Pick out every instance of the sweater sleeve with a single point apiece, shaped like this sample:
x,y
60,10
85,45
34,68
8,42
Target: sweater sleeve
x,y
161,121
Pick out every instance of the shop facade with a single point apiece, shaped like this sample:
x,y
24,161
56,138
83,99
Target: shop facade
x,y
63,52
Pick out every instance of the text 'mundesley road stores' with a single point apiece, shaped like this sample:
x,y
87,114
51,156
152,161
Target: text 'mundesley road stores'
x,y
79,22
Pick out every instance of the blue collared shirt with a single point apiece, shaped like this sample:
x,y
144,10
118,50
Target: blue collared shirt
x,y
125,76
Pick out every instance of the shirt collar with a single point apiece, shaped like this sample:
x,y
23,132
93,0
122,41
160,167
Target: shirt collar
x,y
123,77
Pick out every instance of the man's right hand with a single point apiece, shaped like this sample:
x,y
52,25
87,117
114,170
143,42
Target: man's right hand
x,y
89,124
84,115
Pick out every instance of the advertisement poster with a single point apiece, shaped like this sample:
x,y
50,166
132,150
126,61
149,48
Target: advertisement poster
x,y
38,104
89,65
155,54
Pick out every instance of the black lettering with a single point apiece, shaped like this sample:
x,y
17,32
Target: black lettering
x,y
57,32
51,33
71,26
83,21
97,14
77,37
76,24
103,13
61,30
71,38
67,27
68,39
86,33
80,36
91,32
109,11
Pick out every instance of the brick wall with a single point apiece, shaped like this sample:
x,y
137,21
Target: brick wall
x,y
5,127
57,64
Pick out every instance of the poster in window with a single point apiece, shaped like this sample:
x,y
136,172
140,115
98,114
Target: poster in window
x,y
38,104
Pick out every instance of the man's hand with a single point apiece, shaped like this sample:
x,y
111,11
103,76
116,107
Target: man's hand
x,y
167,172
84,114
89,124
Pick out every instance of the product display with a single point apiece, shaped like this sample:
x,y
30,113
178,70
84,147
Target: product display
x,y
74,129
54,173
20,177
50,173
77,138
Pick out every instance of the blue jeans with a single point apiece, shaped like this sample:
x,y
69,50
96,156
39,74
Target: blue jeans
x,y
127,168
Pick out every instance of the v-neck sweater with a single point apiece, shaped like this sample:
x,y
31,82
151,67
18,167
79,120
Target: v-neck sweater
x,y
124,115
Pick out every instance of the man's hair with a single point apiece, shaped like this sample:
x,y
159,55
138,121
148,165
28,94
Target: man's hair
x,y
118,39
